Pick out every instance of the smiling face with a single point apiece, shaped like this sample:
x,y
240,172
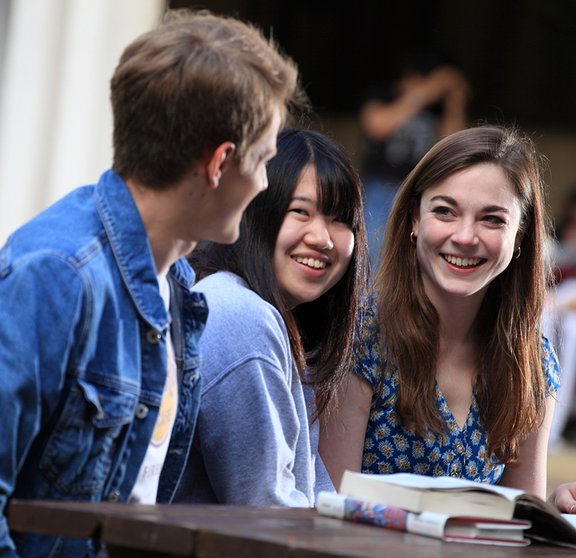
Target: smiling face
x,y
312,250
466,228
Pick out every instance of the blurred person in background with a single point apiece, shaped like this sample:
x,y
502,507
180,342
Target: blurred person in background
x,y
559,319
399,123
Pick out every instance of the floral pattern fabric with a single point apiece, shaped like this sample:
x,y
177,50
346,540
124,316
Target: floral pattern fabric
x,y
391,447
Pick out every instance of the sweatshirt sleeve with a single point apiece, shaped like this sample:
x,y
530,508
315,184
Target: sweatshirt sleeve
x,y
248,435
252,443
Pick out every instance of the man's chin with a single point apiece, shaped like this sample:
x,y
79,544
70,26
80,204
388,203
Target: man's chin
x,y
228,237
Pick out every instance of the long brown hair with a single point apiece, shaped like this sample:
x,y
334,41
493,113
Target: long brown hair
x,y
510,386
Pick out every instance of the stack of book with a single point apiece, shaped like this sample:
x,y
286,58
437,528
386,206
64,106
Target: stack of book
x,y
448,508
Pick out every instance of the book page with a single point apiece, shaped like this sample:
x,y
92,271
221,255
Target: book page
x,y
570,518
427,523
423,482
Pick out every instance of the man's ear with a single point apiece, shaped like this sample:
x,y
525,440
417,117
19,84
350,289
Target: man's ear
x,y
218,160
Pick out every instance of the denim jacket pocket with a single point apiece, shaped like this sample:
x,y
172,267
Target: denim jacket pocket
x,y
80,451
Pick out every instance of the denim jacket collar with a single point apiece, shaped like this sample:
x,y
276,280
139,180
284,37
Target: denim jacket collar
x,y
129,242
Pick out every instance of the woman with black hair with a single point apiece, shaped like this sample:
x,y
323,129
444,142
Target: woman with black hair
x,y
283,305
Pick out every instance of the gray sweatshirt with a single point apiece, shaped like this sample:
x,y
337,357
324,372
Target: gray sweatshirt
x,y
254,443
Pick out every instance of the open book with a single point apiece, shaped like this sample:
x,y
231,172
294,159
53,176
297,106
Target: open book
x,y
441,526
459,497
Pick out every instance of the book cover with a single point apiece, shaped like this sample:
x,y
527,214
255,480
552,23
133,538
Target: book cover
x,y
441,526
459,497
418,493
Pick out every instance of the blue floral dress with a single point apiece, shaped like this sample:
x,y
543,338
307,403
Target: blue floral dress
x,y
390,447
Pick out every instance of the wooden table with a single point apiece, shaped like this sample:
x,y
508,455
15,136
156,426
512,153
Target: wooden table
x,y
238,532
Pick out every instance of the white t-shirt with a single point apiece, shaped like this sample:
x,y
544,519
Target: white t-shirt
x,y
146,488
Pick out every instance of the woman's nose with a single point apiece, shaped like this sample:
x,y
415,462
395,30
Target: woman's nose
x,y
318,235
465,233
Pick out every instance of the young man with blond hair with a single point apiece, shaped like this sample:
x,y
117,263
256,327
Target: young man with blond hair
x,y
99,327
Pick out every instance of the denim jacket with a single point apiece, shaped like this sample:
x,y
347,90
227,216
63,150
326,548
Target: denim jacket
x,y
83,358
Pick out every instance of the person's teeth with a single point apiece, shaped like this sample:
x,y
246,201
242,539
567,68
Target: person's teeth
x,y
311,262
463,262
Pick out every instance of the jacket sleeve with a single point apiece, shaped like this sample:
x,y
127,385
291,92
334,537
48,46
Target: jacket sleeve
x,y
39,307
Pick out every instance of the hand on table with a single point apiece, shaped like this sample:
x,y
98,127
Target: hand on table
x,y
564,497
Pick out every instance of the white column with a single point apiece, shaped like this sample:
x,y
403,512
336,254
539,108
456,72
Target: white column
x,y
55,117
4,12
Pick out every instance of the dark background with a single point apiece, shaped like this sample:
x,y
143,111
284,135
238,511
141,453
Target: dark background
x,y
519,56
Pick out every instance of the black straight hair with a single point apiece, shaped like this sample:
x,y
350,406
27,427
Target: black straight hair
x,y
321,332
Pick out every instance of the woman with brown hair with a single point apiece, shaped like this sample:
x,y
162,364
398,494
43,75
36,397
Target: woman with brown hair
x,y
451,374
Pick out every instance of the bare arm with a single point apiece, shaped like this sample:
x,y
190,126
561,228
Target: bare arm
x,y
343,429
529,473
455,109
380,120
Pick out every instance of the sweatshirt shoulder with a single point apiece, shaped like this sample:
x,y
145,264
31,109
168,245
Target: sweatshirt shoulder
x,y
230,299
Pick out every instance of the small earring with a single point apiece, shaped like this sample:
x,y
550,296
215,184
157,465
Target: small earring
x,y
413,237
517,252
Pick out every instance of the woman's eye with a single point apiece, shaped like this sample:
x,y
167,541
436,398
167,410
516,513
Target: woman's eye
x,y
298,211
494,219
441,210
